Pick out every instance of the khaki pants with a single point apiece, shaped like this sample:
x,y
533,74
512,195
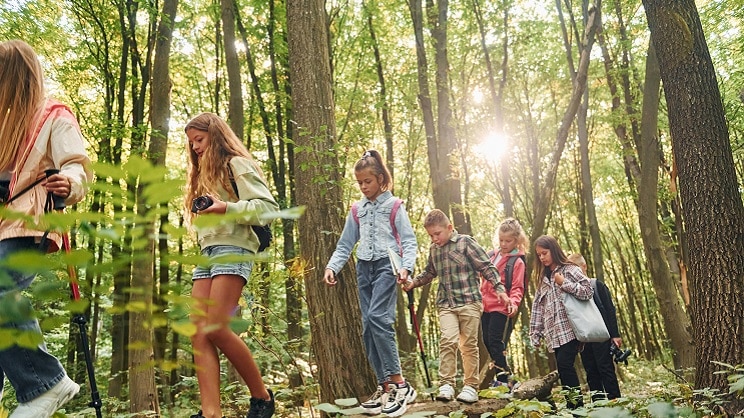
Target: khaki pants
x,y
459,328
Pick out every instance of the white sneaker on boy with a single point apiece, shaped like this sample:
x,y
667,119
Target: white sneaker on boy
x,y
46,404
468,395
446,393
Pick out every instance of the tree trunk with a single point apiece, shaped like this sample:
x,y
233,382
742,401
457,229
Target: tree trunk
x,y
447,151
497,96
235,90
542,205
641,166
335,319
159,118
441,200
705,162
676,320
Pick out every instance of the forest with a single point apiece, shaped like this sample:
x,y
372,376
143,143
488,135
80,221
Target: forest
x,y
616,126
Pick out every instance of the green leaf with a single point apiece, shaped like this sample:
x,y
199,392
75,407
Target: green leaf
x,y
346,402
239,325
662,410
328,408
185,328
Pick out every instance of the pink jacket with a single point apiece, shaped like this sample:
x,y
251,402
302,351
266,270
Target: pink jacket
x,y
491,303
56,143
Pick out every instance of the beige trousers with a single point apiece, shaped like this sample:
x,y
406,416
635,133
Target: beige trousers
x,y
459,327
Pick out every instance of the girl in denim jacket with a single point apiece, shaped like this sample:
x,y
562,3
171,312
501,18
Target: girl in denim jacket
x,y
371,224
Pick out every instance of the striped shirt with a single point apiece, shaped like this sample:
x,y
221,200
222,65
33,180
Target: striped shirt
x,y
457,264
548,318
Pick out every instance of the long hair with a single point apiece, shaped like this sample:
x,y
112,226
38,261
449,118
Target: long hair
x,y
556,253
211,169
21,97
514,228
373,160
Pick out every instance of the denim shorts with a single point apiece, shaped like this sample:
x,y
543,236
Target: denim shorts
x,y
233,267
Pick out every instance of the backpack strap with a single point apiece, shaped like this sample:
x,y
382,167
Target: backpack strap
x,y
597,299
232,180
393,213
509,273
355,212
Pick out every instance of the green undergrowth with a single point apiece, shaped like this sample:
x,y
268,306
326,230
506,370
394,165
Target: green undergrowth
x,y
649,390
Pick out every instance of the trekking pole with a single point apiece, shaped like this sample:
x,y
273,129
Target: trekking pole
x,y
82,321
79,318
414,324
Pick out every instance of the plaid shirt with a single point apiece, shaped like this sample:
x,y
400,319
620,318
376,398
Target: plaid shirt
x,y
548,319
457,264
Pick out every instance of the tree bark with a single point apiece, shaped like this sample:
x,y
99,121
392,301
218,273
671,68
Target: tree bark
x,y
235,89
441,200
711,199
335,319
159,118
447,151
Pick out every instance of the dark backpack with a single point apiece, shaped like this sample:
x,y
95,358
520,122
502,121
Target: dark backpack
x,y
509,269
263,232
597,299
393,212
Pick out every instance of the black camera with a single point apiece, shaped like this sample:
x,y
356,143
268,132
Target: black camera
x,y
201,203
620,356
4,191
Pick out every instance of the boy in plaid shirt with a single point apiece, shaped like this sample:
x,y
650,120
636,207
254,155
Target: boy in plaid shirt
x,y
457,260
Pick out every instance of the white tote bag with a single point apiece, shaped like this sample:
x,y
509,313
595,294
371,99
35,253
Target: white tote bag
x,y
585,318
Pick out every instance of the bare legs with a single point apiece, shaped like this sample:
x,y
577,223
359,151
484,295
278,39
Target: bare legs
x,y
215,300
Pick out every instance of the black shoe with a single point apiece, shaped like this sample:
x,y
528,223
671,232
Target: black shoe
x,y
261,408
199,415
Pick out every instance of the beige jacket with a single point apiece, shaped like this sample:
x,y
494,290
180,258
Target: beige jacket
x,y
57,143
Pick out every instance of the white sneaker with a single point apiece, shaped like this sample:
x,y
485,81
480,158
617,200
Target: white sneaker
x,y
46,404
401,395
446,393
373,405
468,395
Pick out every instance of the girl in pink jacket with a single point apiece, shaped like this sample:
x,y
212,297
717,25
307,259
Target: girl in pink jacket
x,y
38,135
509,244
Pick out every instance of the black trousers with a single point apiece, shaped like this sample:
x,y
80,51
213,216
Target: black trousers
x,y
565,356
497,329
600,370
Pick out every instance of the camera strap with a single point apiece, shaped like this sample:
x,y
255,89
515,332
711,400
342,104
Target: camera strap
x,y
26,189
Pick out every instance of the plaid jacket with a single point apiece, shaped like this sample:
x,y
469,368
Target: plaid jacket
x,y
457,264
548,318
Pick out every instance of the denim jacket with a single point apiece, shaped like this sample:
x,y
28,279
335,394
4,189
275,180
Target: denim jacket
x,y
374,234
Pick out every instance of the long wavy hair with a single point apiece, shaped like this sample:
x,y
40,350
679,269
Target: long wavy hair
x,y
556,253
205,173
22,97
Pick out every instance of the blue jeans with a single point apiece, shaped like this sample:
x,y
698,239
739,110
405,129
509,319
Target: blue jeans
x,y
378,293
31,371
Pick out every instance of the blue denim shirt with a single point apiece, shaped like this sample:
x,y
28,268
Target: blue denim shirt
x,y
374,234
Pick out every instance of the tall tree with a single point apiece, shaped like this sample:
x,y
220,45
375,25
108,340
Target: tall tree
x,y
335,319
160,114
702,151
642,159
